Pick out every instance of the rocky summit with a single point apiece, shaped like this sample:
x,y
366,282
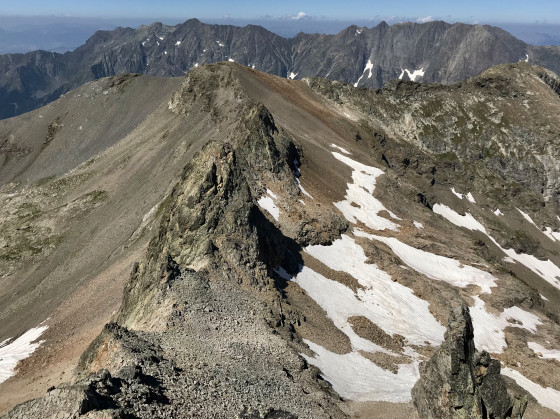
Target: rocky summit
x,y
365,57
231,243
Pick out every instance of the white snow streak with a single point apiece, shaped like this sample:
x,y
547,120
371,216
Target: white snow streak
x,y
548,397
221,44
369,66
267,203
466,220
418,224
498,212
390,305
489,329
470,198
343,150
544,268
437,267
19,349
459,195
414,75
178,43
292,75
360,193
544,353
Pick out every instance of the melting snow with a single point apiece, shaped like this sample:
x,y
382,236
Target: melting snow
x,y
267,203
548,397
437,267
414,75
418,224
390,305
554,236
498,212
292,75
544,353
343,150
470,198
544,268
459,195
369,66
19,349
489,329
466,220
360,193
527,217
357,378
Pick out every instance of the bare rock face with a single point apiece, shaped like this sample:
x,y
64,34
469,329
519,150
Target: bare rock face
x,y
460,382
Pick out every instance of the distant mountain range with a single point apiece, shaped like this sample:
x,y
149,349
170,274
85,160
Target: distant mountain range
x,y
366,57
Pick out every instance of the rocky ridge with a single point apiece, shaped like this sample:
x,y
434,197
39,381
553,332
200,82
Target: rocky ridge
x,y
211,324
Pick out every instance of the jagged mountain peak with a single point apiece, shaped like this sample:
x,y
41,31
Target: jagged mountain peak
x,y
429,52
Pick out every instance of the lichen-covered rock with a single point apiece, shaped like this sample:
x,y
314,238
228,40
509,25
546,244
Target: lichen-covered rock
x,y
460,382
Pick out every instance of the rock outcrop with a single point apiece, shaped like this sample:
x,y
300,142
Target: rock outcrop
x,y
460,382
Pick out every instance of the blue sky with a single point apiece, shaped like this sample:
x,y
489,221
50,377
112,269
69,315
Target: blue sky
x,y
522,11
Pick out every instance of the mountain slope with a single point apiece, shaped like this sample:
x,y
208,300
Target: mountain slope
x,y
313,228
432,52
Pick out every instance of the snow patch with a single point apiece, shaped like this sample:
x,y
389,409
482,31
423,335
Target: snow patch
x,y
414,75
544,353
470,198
548,397
267,203
543,268
489,329
436,267
360,204
369,67
19,349
343,150
457,194
292,75
467,220
392,306
498,212
178,43
221,44
357,378
418,224
526,216
231,60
